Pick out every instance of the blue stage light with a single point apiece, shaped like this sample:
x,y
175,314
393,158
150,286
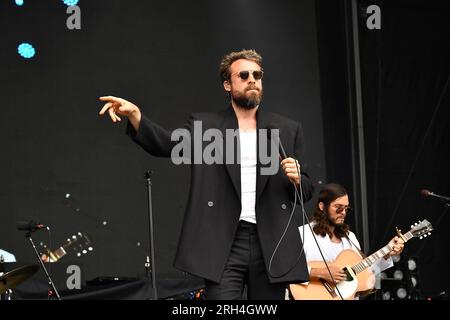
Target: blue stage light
x,y
19,2
70,2
26,50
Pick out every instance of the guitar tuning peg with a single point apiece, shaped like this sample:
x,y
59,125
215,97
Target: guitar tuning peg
x,y
68,239
74,237
421,237
425,235
429,233
412,226
416,223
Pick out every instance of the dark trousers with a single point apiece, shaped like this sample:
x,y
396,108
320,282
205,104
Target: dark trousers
x,y
245,268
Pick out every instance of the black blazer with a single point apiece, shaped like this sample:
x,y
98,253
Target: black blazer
x,y
214,206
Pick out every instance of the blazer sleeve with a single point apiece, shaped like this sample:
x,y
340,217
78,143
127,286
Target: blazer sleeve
x,y
307,185
155,139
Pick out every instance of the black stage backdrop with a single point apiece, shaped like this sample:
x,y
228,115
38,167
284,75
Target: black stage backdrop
x,y
405,70
63,165
406,93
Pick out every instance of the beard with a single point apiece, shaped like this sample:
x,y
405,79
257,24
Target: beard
x,y
335,224
248,100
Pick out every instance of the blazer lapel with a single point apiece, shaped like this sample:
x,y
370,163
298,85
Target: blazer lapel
x,y
262,122
234,169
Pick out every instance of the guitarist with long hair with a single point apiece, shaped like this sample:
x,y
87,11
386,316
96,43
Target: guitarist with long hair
x,y
333,236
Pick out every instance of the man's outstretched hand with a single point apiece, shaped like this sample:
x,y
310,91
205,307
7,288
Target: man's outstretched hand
x,y
120,107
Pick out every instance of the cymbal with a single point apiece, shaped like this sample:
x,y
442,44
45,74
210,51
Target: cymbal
x,y
15,277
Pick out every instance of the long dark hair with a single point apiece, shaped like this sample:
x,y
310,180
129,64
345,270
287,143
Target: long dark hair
x,y
327,195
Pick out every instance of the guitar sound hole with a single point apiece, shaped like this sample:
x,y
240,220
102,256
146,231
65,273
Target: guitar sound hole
x,y
349,276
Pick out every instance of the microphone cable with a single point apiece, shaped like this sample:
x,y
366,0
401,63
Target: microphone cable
x,y
299,195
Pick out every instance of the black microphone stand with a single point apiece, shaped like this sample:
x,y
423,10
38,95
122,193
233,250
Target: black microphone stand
x,y
151,245
52,289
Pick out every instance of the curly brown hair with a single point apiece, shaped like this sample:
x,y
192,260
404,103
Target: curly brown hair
x,y
327,195
227,61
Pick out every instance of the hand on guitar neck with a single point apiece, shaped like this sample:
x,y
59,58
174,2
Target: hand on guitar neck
x,y
396,244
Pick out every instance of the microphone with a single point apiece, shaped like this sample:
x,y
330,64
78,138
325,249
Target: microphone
x,y
30,226
427,193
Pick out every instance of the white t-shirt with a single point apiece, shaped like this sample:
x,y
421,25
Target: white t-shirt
x,y
248,175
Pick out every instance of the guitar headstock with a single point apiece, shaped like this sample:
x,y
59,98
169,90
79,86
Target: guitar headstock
x,y
421,229
79,244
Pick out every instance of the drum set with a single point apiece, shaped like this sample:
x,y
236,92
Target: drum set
x,y
13,278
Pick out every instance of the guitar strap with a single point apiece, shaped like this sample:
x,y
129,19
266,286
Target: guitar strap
x,y
359,250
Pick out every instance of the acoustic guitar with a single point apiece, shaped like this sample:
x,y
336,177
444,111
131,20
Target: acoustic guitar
x,y
359,276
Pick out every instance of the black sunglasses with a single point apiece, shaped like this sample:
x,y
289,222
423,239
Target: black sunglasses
x,y
339,209
257,74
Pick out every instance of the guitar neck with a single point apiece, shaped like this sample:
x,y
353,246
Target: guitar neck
x,y
62,251
58,253
374,257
